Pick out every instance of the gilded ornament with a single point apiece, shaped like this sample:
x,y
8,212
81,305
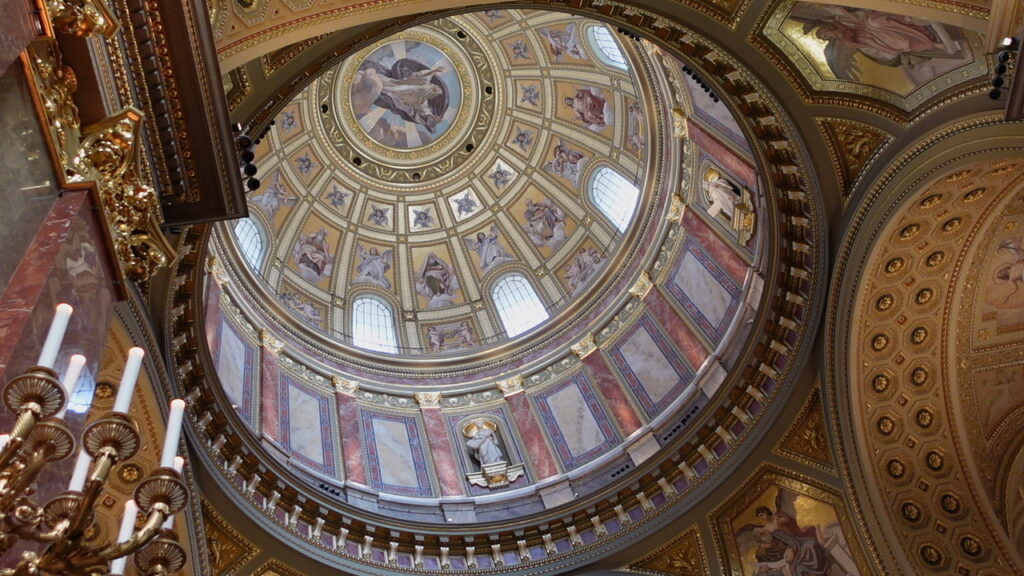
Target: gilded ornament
x,y
934,461
130,473
511,385
880,383
931,555
911,512
584,347
950,503
879,342
886,425
428,399
971,546
642,286
909,231
919,376
104,390
934,259
924,295
919,335
82,17
931,201
270,343
895,265
924,418
975,194
884,302
951,225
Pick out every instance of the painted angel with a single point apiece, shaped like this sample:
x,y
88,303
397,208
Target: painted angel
x,y
374,265
437,282
564,42
489,250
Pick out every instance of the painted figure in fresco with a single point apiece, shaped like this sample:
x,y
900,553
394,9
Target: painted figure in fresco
x,y
582,268
545,223
563,43
501,176
493,15
634,126
484,443
531,94
409,88
888,39
435,336
305,164
1014,271
374,265
304,310
523,139
312,256
422,218
275,196
520,50
567,162
466,205
387,134
465,333
488,249
784,548
288,121
437,282
378,215
589,106
337,196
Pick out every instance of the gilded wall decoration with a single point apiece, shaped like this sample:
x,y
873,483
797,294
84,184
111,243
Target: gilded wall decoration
x,y
227,549
683,556
899,60
275,568
780,523
852,145
807,439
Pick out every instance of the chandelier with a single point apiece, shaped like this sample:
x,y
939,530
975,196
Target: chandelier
x,y
41,437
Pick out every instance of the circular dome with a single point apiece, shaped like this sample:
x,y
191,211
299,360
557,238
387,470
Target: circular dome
x,y
418,206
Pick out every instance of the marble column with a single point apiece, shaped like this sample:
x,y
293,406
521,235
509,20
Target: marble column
x,y
270,387
348,427
614,396
440,445
525,420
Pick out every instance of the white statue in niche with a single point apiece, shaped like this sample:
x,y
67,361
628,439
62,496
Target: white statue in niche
x,y
727,201
483,440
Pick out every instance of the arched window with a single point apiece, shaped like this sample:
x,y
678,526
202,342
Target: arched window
x,y
250,242
519,307
606,47
614,196
373,325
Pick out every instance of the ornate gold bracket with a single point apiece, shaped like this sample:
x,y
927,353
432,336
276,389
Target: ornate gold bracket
x,y
82,17
104,157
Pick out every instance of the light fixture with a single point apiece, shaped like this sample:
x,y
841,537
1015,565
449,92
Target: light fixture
x,y
40,436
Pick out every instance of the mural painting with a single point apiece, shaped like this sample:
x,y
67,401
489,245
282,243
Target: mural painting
x,y
273,198
563,43
522,139
544,221
529,94
307,310
583,266
338,197
450,336
306,165
423,218
488,248
891,52
781,526
312,256
379,215
586,105
435,279
566,162
406,94
374,266
519,51
464,204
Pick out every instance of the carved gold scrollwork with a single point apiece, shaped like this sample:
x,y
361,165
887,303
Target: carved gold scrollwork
x,y
56,83
82,17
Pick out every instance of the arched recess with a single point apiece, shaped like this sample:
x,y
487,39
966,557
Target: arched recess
x,y
900,347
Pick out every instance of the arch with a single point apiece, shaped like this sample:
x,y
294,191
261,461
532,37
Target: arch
x,y
251,239
614,195
604,45
518,305
373,325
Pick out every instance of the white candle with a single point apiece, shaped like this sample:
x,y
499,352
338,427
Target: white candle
x,y
174,421
55,336
131,510
131,374
81,473
179,465
71,376
4,439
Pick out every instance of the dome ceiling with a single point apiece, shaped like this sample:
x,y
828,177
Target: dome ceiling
x,y
437,161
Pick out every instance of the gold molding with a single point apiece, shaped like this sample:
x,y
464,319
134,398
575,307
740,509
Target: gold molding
x,y
684,555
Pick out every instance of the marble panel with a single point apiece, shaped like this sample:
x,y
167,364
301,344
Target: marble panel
x,y
600,372
525,420
577,424
395,458
442,452
651,367
721,251
671,323
351,438
705,291
305,424
236,361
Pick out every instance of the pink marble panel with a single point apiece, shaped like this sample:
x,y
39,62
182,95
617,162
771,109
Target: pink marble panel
x,y
18,27
441,451
351,443
721,251
615,398
672,325
536,447
212,320
723,155
270,383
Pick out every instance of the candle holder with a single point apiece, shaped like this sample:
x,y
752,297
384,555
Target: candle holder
x,y
39,438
